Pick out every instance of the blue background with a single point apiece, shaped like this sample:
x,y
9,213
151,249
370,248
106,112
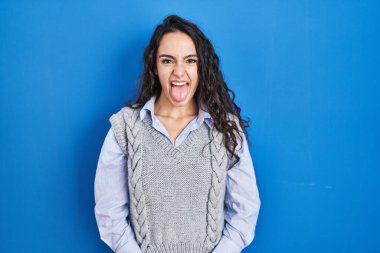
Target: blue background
x,y
305,72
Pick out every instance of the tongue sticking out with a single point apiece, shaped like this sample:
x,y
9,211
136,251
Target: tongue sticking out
x,y
179,93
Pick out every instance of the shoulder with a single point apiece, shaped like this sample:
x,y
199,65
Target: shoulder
x,y
231,116
124,115
240,134
234,118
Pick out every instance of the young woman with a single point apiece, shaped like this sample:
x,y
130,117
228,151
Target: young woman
x,y
175,173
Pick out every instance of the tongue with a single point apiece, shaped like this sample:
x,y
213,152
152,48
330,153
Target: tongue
x,y
179,93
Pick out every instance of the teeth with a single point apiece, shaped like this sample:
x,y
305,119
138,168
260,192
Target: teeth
x,y
179,83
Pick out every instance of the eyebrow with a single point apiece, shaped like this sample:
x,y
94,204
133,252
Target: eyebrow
x,y
169,56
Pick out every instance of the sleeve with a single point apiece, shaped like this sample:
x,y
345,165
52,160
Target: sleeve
x,y
111,198
242,204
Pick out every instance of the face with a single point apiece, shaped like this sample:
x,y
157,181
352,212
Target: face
x,y
177,68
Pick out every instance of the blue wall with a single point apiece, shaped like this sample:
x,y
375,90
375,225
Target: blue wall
x,y
305,72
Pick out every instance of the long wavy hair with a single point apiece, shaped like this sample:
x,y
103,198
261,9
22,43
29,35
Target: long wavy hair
x,y
212,91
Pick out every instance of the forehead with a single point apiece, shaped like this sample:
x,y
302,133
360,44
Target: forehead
x,y
176,43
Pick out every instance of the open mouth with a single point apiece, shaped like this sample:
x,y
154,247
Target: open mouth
x,y
179,83
179,90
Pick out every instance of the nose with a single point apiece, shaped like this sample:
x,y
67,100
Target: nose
x,y
179,69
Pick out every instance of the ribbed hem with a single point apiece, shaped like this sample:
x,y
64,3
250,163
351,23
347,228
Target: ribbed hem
x,y
184,247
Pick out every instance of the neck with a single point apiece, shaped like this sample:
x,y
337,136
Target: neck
x,y
165,108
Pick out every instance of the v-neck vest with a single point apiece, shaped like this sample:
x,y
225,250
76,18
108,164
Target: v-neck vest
x,y
176,194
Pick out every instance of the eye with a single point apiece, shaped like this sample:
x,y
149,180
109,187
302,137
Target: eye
x,y
192,60
166,61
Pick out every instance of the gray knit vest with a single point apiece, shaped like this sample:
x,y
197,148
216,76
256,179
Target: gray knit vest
x,y
176,194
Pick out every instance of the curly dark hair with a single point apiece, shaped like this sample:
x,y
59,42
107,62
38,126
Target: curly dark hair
x,y
212,90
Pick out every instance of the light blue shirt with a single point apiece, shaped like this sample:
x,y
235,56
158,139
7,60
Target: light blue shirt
x,y
242,202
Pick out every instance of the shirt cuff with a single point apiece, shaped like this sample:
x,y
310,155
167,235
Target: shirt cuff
x,y
226,245
130,246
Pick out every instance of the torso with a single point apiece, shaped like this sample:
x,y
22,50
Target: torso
x,y
174,127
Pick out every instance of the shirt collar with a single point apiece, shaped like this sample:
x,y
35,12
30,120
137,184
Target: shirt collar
x,y
203,115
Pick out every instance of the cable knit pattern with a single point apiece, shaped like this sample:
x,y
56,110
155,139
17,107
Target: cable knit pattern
x,y
176,193
215,215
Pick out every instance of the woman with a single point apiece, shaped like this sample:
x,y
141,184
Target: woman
x,y
170,175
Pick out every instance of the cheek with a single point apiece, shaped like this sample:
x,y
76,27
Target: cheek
x,y
194,73
195,83
163,75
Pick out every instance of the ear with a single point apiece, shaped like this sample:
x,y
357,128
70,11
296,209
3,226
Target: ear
x,y
155,70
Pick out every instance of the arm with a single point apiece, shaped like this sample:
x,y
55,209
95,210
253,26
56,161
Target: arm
x,y
242,204
111,198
